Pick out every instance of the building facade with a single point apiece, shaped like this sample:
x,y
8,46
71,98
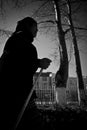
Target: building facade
x,y
44,88
47,92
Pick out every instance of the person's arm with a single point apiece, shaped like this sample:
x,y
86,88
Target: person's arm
x,y
44,63
39,63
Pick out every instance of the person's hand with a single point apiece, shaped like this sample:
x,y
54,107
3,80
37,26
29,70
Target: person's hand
x,y
44,63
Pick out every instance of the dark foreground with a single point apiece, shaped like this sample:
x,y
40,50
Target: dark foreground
x,y
54,118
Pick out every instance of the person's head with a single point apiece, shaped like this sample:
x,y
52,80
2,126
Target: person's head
x,y
28,25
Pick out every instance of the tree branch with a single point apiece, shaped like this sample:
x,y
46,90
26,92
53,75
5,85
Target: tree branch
x,y
47,21
40,8
79,28
5,32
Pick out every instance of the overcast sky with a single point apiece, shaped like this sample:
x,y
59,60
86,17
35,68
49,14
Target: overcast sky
x,y
44,41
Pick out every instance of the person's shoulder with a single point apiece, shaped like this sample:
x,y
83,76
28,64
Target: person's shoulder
x,y
16,36
12,38
12,42
32,47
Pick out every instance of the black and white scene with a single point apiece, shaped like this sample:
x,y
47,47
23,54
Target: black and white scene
x,y
43,60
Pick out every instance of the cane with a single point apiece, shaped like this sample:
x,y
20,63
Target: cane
x,y
26,102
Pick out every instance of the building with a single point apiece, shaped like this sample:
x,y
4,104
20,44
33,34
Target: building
x,y
45,90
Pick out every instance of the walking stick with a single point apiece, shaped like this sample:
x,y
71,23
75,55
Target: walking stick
x,y
26,102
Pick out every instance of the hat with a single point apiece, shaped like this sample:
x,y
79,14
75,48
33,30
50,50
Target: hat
x,y
27,20
22,23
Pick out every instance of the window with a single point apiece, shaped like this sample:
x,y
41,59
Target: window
x,y
44,78
45,85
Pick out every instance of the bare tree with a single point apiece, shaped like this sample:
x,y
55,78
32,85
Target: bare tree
x,y
77,56
62,73
46,17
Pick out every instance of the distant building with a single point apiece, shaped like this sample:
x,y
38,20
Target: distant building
x,y
73,83
44,88
72,90
85,83
47,92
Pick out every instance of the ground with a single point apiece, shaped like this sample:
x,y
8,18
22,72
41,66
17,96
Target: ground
x,y
56,116
65,115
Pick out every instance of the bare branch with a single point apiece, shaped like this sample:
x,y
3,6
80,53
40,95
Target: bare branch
x,y
40,8
47,21
2,7
19,3
79,28
5,32
67,30
74,2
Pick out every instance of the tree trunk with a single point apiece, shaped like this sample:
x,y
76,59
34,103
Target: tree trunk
x,y
77,57
62,74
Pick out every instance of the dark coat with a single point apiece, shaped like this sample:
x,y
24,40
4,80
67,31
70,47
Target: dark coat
x,y
18,64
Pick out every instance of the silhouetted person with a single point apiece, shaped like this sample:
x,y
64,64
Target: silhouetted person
x,y
18,65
